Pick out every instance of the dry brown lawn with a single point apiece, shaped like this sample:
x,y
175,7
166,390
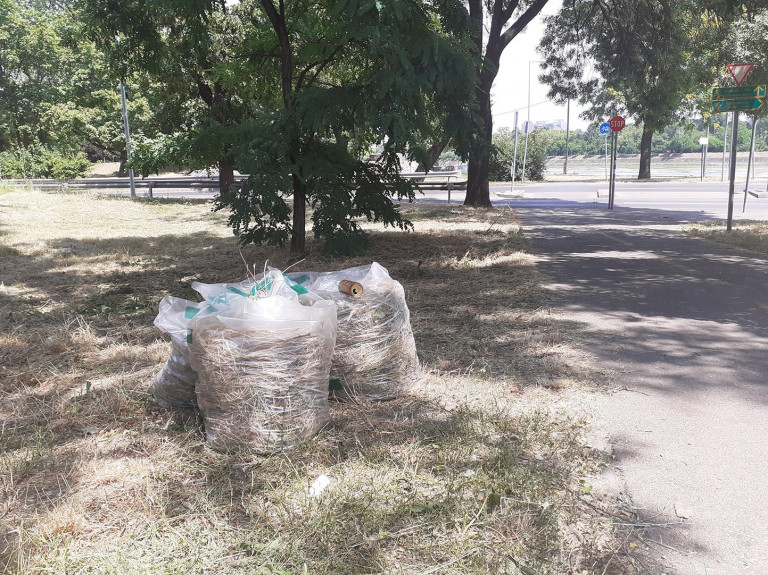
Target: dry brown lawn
x,y
747,235
483,467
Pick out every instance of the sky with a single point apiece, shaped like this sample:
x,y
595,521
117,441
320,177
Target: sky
x,y
510,91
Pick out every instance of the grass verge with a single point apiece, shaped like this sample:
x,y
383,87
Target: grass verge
x,y
747,235
483,467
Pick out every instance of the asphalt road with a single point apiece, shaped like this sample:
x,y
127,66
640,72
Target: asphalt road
x,y
701,200
683,324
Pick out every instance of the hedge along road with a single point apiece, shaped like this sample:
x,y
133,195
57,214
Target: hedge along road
x,y
683,323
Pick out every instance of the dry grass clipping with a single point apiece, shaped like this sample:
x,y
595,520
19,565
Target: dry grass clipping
x,y
479,469
752,236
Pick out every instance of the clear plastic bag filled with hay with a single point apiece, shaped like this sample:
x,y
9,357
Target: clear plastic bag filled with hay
x,y
375,356
174,384
272,282
262,367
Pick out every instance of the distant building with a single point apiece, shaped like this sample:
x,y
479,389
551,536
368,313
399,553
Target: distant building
x,y
551,125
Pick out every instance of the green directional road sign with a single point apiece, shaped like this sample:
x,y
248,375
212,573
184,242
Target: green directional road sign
x,y
739,92
740,105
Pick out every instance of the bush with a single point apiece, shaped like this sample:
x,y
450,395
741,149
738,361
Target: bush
x,y
42,162
503,154
60,167
16,164
152,155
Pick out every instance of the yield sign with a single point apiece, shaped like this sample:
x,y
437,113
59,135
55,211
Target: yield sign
x,y
740,72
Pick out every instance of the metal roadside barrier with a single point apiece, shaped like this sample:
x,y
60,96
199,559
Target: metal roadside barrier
x,y
422,181
150,184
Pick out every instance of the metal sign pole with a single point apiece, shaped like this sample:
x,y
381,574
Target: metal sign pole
x,y
725,145
610,177
732,171
615,160
567,136
706,150
612,183
750,164
513,169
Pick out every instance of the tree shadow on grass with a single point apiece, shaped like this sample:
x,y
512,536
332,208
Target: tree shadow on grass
x,y
477,306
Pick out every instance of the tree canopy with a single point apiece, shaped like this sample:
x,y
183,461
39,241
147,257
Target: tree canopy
x,y
653,60
297,94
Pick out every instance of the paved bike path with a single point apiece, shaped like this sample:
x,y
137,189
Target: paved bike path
x,y
684,325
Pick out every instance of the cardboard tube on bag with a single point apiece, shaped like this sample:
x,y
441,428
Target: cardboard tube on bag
x,y
354,289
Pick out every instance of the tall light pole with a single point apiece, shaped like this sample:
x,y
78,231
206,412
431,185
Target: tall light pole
x,y
567,135
127,128
528,121
127,139
514,155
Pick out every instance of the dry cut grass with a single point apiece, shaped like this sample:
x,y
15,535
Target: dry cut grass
x,y
484,467
752,236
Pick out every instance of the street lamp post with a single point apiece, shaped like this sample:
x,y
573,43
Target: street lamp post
x,y
127,139
127,128
528,121
514,156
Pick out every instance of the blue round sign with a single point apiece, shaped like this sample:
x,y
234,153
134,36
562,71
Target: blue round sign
x,y
605,128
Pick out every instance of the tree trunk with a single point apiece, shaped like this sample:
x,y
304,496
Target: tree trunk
x,y
502,22
299,232
433,154
226,175
478,191
122,171
645,152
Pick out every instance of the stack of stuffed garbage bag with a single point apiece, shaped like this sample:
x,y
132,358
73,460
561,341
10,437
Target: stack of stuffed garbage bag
x,y
258,357
375,355
261,362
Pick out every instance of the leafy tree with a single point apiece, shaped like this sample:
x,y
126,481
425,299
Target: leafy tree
x,y
641,51
503,155
495,23
295,94
175,48
654,58
55,94
348,74
34,74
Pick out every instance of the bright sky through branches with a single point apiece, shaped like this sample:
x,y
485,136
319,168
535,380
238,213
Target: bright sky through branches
x,y
510,91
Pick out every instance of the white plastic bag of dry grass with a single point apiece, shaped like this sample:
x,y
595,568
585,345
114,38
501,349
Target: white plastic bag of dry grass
x,y
375,356
263,364
174,384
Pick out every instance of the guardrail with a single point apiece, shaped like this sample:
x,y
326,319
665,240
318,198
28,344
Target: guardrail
x,y
150,184
421,180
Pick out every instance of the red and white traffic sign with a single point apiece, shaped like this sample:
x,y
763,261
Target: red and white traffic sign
x,y
617,123
740,71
